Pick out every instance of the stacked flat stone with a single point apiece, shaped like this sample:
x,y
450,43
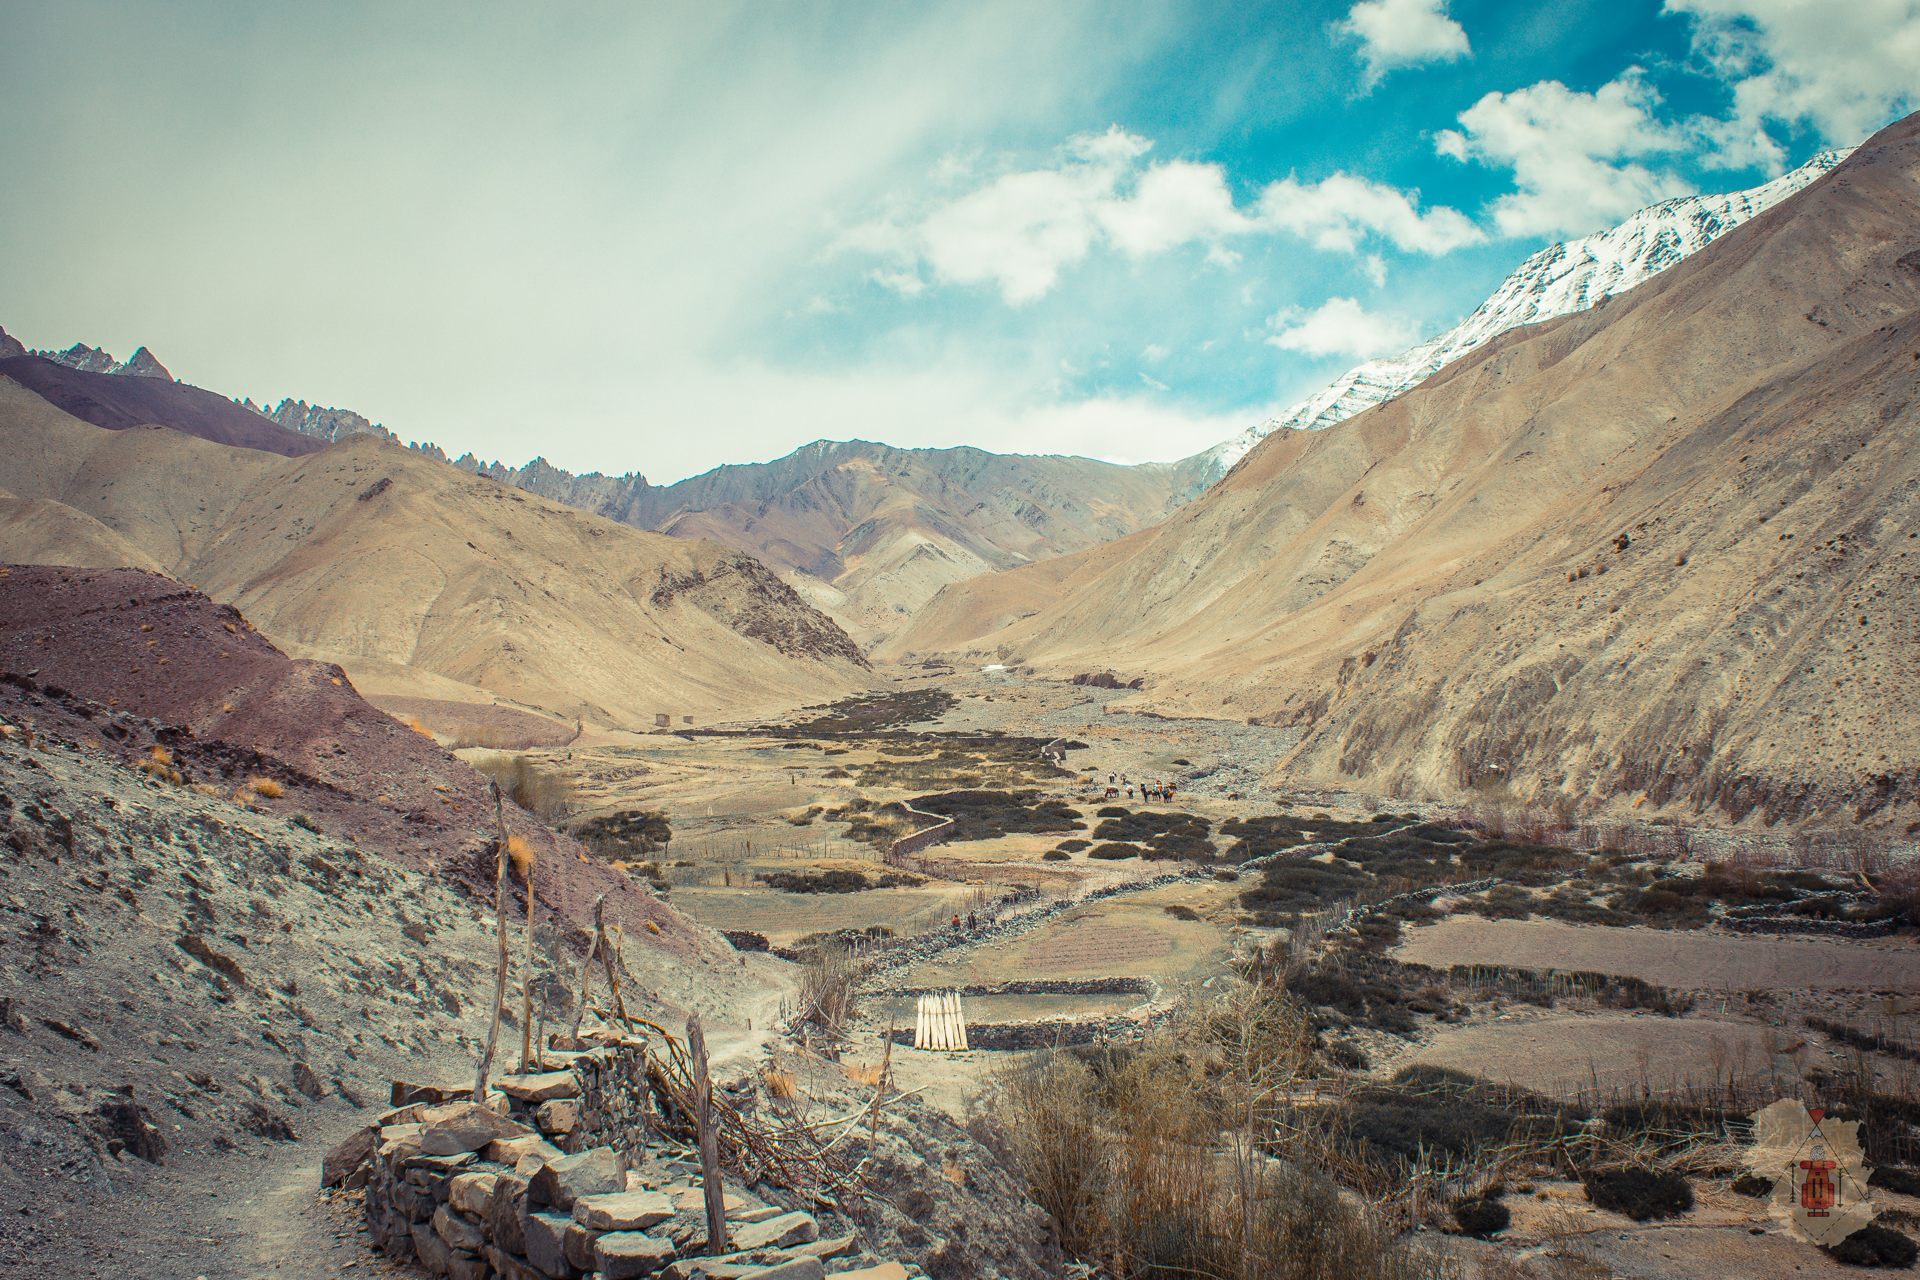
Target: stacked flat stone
x,y
522,1187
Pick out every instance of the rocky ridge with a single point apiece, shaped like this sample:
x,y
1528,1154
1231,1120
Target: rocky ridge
x,y
1558,280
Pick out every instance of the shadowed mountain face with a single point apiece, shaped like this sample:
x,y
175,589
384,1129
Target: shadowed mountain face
x,y
115,399
868,532
421,580
1661,550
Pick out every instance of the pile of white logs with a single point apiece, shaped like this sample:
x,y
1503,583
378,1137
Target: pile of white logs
x,y
939,1022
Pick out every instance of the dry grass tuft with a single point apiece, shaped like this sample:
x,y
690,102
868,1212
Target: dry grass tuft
x,y
520,854
266,787
1171,1159
783,1085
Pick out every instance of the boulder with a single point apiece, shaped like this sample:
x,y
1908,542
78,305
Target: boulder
x,y
464,1126
507,1266
558,1117
430,1249
758,1214
694,1200
732,1266
458,1230
510,1151
837,1247
579,1246
792,1269
347,1164
547,1244
406,1092
540,1087
470,1193
629,1255
595,1171
774,1233
506,1211
467,1266
885,1271
622,1210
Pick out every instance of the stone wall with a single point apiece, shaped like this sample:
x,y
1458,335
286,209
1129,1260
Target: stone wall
x,y
553,1178
907,845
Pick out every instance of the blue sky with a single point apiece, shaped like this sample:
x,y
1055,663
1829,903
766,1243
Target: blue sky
x,y
664,238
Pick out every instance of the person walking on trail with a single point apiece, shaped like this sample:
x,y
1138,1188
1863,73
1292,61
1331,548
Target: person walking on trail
x,y
956,921
973,922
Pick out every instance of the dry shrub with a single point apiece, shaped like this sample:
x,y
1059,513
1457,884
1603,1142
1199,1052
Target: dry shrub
x,y
265,787
413,723
866,1073
520,854
783,1085
1162,1162
828,985
542,792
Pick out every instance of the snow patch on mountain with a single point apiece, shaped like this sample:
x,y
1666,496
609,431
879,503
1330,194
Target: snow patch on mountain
x,y
1558,280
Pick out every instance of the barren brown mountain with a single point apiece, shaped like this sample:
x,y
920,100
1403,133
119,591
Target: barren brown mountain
x,y
420,579
1663,552
869,532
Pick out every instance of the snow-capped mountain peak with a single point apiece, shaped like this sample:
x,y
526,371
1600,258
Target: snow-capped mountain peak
x,y
1558,280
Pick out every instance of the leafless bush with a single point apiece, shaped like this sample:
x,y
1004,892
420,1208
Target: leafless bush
x,y
1172,1159
543,792
829,984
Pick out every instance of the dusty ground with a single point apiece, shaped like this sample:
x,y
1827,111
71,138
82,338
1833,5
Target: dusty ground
x,y
1671,958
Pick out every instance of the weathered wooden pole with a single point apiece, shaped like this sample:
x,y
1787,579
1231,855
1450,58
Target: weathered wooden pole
x,y
610,959
500,969
709,1139
586,969
526,979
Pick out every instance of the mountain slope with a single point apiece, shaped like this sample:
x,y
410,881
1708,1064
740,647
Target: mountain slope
x,y
869,532
1559,280
1660,550
422,579
866,532
107,398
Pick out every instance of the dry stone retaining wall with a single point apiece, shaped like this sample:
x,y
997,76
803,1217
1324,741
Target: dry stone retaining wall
x,y
552,1179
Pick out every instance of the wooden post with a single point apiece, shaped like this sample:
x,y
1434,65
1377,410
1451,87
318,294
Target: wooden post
x,y
586,969
500,969
709,1139
610,959
526,980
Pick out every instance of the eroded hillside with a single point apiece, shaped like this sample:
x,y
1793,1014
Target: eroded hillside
x,y
421,579
1662,551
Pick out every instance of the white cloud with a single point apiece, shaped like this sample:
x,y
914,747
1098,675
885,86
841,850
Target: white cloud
x,y
907,284
1845,68
1154,382
1154,353
1172,204
1020,231
1338,212
1577,158
1403,33
1341,326
1375,268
